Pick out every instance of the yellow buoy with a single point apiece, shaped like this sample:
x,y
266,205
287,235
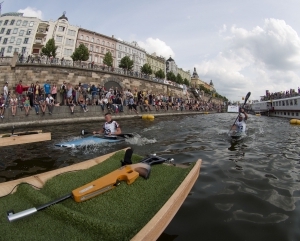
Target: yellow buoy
x,y
293,121
144,117
150,117
298,122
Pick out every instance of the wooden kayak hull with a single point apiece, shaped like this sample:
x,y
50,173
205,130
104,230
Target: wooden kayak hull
x,y
155,227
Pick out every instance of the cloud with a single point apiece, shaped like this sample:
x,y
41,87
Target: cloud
x,y
31,12
158,46
263,58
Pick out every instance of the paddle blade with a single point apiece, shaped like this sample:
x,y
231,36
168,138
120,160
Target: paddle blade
x,y
127,135
83,132
247,97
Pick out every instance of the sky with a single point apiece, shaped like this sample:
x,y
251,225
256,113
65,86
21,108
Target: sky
x,y
242,46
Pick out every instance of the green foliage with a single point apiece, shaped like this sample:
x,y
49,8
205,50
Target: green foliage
x,y
108,59
179,79
146,69
81,53
186,82
126,63
160,74
171,76
50,48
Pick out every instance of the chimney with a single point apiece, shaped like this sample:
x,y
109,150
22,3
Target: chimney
x,y
113,36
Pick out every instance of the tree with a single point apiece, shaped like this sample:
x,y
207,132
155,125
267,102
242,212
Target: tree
x,y
179,79
81,53
108,59
50,48
146,69
126,63
160,74
186,82
171,76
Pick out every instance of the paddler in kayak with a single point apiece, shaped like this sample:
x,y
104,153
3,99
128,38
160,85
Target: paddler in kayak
x,y
240,123
110,127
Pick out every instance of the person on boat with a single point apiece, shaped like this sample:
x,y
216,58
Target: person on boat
x,y
110,127
240,123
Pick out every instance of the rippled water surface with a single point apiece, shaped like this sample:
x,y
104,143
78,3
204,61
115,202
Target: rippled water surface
x,y
247,190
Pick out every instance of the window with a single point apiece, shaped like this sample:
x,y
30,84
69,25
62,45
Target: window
x,y
9,49
103,43
69,42
15,30
87,38
2,50
28,32
23,50
17,50
283,103
112,45
71,32
108,44
295,102
90,58
18,23
21,32
1,22
12,39
5,41
0,39
81,37
98,42
125,49
24,23
120,47
287,102
12,22
19,41
8,31
102,50
92,40
68,52
112,53
291,103
96,59
31,24
61,29
58,39
97,49
2,30
5,22
25,40
119,54
91,48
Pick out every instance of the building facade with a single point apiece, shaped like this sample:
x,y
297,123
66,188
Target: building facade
x,y
97,44
65,36
156,63
17,34
171,66
184,74
133,51
196,81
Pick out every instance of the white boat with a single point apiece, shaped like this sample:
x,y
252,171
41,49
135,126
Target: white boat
x,y
288,107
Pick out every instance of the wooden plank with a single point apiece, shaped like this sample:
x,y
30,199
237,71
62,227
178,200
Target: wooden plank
x,y
154,228
40,179
20,133
15,140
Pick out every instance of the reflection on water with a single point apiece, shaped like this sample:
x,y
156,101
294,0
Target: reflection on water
x,y
247,190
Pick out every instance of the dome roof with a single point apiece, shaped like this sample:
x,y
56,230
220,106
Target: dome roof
x,y
63,16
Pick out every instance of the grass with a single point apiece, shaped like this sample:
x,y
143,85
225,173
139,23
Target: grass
x,y
118,214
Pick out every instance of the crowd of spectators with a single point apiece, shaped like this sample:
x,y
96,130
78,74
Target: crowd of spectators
x,y
280,95
40,97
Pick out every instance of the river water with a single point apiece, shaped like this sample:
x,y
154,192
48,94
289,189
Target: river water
x,y
247,190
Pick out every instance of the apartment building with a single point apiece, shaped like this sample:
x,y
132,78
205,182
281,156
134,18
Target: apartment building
x,y
65,36
156,63
133,51
17,33
97,44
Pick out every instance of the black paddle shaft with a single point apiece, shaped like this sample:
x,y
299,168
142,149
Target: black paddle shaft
x,y
247,97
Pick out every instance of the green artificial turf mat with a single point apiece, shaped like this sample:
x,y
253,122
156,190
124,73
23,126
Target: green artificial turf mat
x,y
118,214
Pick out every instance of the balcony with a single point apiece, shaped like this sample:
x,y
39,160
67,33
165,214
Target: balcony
x,y
38,42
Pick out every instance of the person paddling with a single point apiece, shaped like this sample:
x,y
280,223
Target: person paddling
x,y
240,123
110,127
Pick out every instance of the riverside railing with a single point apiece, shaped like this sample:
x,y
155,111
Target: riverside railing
x,y
96,67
